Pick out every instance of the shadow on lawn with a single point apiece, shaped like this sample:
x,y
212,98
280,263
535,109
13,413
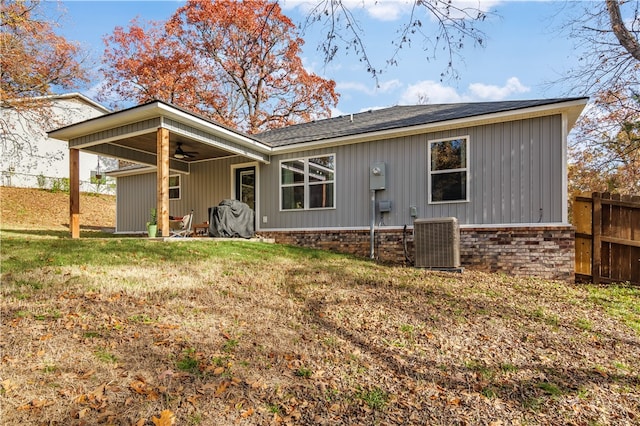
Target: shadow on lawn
x,y
161,349
546,382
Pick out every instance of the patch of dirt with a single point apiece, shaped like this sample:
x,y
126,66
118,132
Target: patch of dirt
x,y
43,209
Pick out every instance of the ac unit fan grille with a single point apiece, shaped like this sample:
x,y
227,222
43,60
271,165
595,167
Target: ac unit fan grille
x,y
437,243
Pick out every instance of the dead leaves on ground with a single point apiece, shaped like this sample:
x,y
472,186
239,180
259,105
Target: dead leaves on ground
x,y
333,353
167,418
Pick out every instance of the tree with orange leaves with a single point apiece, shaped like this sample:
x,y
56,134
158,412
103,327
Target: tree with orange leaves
x,y
234,62
605,153
34,62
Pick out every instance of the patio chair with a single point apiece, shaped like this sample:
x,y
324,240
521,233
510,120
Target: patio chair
x,y
184,229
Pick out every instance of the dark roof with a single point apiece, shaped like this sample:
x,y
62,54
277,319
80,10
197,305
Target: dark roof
x,y
391,118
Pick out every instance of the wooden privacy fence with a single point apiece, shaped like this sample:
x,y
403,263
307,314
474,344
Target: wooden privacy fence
x,y
607,238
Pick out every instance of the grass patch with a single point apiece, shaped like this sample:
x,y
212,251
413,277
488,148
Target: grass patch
x,y
549,319
375,398
550,388
273,408
584,324
621,301
230,345
508,368
481,369
104,355
49,368
188,362
304,372
141,318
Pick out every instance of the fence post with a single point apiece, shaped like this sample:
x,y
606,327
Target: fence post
x,y
597,237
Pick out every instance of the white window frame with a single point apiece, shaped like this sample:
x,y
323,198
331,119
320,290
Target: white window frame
x,y
178,187
436,172
306,184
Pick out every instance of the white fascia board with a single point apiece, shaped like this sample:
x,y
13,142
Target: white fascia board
x,y
140,171
131,172
105,122
571,108
185,117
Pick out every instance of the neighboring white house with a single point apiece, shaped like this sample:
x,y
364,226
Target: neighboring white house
x,y
31,159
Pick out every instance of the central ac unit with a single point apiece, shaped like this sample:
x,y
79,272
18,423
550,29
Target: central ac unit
x,y
437,243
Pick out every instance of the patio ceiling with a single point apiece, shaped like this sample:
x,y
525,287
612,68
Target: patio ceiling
x,y
142,149
198,151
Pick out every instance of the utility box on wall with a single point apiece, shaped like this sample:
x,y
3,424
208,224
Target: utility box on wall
x,y
377,177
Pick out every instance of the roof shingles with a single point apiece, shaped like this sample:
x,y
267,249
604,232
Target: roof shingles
x,y
391,118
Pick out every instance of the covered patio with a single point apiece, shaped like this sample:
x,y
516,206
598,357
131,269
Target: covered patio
x,y
155,135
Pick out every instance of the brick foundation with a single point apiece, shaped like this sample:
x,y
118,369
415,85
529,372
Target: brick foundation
x,y
540,251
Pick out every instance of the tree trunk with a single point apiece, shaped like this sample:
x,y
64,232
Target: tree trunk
x,y
625,37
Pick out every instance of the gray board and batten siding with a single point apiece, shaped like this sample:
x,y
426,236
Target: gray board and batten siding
x,y
515,177
208,183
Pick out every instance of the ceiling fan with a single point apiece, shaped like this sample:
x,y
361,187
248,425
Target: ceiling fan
x,y
181,154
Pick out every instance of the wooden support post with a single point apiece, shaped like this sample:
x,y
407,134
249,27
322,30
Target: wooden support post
x,y
74,193
162,197
597,238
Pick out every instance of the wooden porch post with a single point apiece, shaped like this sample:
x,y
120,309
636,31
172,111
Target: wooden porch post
x,y
74,192
162,197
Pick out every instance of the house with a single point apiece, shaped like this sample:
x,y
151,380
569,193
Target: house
x,y
500,168
30,158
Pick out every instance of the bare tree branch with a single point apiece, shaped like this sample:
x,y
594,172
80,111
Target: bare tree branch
x,y
454,25
626,39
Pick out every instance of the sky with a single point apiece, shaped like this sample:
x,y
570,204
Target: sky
x,y
524,51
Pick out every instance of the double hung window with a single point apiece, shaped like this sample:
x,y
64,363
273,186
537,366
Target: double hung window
x,y
174,187
449,170
307,183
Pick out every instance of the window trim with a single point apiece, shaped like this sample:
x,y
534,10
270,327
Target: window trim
x,y
178,187
465,169
306,184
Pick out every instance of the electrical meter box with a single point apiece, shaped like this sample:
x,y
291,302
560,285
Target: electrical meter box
x,y
377,177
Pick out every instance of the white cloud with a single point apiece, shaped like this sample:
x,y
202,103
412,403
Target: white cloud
x,y
429,92
386,11
376,9
436,93
496,93
389,86
352,86
371,90
335,112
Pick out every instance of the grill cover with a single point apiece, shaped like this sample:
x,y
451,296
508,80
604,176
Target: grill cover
x,y
231,218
